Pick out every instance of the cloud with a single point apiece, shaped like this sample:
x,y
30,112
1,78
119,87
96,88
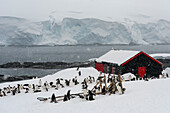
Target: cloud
x,y
114,9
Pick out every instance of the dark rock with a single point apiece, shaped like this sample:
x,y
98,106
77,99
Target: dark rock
x,y
46,65
15,78
11,65
165,62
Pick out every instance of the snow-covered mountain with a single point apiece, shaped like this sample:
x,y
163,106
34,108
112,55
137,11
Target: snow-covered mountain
x,y
19,31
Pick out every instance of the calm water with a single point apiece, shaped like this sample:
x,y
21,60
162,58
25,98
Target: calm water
x,y
62,53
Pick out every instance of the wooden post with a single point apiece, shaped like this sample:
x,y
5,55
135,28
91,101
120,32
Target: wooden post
x,y
112,84
105,81
95,86
100,84
120,80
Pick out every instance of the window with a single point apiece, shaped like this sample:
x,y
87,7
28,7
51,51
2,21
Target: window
x,y
108,69
114,70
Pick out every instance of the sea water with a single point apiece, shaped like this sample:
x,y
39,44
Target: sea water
x,y
62,54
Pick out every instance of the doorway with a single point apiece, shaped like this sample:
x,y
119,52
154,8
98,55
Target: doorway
x,y
141,71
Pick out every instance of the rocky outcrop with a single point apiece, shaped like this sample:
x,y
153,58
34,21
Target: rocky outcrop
x,y
6,78
46,65
165,62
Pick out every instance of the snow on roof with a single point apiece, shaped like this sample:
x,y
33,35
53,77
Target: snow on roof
x,y
160,55
117,56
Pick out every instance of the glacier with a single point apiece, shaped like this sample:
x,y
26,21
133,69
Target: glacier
x,y
71,31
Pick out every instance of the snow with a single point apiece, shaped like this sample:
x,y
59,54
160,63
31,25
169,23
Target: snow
x,y
101,32
126,76
18,31
140,97
160,55
166,71
113,56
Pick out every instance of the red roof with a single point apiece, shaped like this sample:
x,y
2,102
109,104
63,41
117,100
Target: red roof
x,y
140,54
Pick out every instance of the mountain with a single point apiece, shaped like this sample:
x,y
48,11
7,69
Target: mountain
x,y
19,31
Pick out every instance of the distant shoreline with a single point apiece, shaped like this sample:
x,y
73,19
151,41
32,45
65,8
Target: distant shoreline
x,y
37,65
7,78
47,65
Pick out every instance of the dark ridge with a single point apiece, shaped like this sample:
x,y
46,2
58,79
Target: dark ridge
x,y
46,65
5,78
165,62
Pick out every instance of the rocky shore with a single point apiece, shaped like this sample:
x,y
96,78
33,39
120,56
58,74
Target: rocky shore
x,y
39,65
6,78
46,65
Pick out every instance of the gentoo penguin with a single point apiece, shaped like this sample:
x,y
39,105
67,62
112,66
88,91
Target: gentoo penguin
x,y
91,95
68,95
1,93
53,98
40,82
65,98
119,88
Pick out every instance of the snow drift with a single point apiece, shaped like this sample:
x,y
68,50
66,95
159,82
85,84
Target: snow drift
x,y
140,97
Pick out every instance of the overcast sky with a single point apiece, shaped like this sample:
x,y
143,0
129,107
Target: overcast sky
x,y
113,9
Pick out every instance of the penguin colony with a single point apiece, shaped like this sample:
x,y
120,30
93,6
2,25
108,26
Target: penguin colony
x,y
113,81
26,88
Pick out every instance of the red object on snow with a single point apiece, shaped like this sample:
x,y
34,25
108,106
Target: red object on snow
x,y
141,71
99,67
140,54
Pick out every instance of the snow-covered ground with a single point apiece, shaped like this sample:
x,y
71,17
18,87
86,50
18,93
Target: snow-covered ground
x,y
140,97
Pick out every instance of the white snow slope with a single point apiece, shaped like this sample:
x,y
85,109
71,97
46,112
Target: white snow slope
x,y
140,97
